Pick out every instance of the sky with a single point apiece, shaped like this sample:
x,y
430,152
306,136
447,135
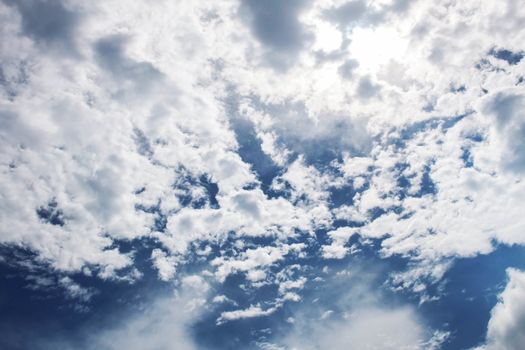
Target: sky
x,y
262,174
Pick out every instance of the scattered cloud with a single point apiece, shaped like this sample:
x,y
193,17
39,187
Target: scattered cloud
x,y
255,141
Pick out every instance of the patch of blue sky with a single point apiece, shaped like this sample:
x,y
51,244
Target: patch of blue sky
x,y
250,149
507,55
467,158
187,183
38,313
251,152
325,291
342,196
51,213
466,295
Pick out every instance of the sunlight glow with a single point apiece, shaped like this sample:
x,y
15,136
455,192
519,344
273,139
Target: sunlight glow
x,y
374,48
327,37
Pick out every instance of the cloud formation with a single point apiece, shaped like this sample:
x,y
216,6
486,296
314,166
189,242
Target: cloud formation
x,y
506,325
258,141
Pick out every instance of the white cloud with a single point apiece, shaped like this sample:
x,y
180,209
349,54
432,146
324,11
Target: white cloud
x,y
460,203
69,135
506,328
164,264
339,237
250,312
250,261
505,107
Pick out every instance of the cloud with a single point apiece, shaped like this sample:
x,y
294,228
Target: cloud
x,y
249,260
368,328
506,326
250,312
165,265
74,156
506,107
339,237
393,123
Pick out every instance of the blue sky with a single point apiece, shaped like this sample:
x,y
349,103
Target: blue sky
x,y
275,175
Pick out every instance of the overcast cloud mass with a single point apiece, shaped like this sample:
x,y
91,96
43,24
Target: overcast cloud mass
x,y
275,175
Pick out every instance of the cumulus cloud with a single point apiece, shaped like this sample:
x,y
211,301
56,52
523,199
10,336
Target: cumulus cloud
x,y
507,322
506,107
245,135
94,184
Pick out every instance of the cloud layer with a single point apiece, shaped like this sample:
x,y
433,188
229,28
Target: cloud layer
x,y
259,141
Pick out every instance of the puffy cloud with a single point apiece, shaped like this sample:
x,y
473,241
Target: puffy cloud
x,y
339,237
506,107
165,265
71,144
424,200
249,260
507,323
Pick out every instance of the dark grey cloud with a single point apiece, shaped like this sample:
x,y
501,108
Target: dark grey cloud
x,y
49,23
276,25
